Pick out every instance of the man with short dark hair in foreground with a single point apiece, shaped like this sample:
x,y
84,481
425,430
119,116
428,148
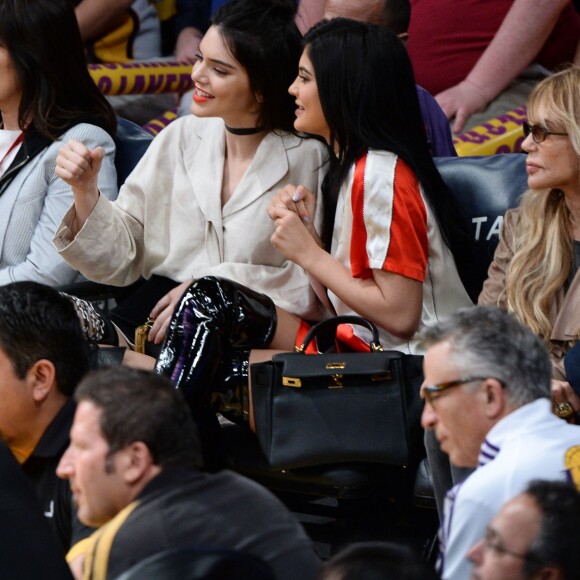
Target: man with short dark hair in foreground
x,y
133,467
43,356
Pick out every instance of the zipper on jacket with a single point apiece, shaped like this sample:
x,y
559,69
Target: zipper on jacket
x,y
13,169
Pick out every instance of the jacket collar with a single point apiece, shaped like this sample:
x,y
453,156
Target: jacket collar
x,y
55,439
205,170
524,419
32,145
172,476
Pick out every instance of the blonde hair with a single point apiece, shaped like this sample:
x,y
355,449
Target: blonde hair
x,y
543,245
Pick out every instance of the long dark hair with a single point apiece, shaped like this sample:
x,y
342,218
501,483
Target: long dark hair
x,y
369,99
44,43
263,38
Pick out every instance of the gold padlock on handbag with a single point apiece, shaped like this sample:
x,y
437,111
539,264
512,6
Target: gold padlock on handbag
x,y
141,334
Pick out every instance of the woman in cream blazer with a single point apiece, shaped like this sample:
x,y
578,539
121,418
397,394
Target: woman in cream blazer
x,y
196,203
169,220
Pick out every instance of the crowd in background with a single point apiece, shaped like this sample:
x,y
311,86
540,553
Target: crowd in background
x,y
298,183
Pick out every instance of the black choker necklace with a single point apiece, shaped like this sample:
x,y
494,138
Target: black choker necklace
x,y
248,131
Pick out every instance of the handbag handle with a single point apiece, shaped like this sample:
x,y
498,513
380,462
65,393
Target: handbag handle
x,y
334,323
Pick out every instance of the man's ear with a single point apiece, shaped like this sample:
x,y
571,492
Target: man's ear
x,y
137,461
495,399
41,379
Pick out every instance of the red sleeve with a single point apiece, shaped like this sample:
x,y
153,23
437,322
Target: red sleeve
x,y
389,220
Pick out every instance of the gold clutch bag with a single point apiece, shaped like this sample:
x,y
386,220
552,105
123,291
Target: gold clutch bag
x,y
141,334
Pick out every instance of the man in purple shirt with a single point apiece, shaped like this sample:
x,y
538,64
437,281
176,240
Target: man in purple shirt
x,y
395,15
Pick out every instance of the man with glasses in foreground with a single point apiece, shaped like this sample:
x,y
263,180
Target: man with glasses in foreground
x,y
534,535
487,398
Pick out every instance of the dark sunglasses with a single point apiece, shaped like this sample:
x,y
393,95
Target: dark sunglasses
x,y
538,132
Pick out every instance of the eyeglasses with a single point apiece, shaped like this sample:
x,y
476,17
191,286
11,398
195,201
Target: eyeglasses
x,y
538,132
491,541
430,392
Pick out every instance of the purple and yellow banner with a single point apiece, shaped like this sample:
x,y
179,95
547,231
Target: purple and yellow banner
x,y
138,78
501,134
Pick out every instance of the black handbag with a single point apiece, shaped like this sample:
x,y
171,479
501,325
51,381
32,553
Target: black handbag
x,y
339,407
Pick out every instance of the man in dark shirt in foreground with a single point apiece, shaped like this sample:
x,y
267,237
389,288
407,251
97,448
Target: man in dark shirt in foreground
x,y
42,358
28,548
133,467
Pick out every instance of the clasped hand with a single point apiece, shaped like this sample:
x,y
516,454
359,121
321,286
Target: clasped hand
x,y
292,211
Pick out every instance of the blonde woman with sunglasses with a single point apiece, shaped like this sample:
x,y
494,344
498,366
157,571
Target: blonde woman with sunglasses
x,y
534,273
